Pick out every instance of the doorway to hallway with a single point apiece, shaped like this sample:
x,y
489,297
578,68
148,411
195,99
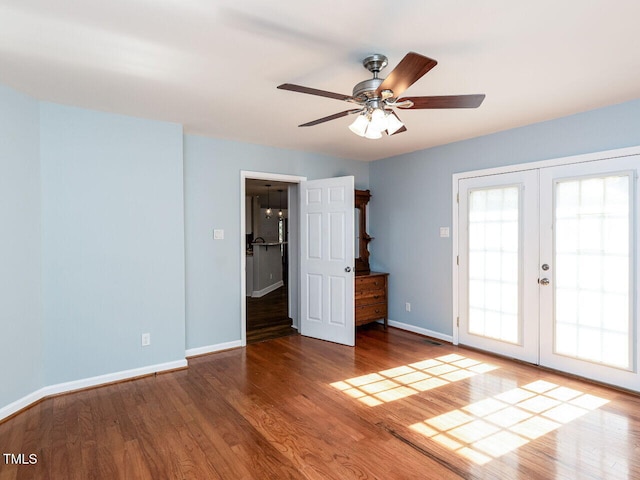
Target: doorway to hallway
x,y
267,260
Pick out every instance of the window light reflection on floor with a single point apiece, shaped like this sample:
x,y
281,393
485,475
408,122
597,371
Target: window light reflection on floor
x,y
400,382
492,427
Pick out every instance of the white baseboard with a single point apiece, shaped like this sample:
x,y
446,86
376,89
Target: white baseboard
x,y
66,387
192,352
21,403
269,289
421,331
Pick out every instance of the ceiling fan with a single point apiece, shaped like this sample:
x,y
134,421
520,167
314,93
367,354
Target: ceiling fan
x,y
377,97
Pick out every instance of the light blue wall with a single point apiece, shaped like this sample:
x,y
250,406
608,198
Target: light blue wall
x,y
20,285
412,199
106,212
212,200
96,206
113,242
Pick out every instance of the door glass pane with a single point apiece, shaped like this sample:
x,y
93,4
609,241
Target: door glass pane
x,y
494,263
592,246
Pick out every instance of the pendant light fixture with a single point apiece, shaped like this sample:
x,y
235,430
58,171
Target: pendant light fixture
x,y
268,213
280,213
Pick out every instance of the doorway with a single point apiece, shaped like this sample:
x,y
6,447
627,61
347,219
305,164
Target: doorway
x,y
272,290
267,260
548,259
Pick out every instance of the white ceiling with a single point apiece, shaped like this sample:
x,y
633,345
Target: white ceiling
x,y
213,66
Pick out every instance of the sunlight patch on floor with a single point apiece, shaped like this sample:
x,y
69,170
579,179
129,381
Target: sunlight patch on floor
x,y
492,427
396,383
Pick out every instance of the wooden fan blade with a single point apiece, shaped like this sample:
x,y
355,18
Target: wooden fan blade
x,y
445,101
330,117
401,129
410,69
313,91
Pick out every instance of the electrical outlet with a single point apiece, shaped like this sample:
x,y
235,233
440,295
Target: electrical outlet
x,y
146,339
407,307
444,232
218,234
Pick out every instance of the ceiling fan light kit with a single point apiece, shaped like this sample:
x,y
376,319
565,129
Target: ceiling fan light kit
x,y
371,124
359,125
377,97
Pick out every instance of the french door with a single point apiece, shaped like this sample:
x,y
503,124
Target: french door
x,y
588,257
548,260
498,235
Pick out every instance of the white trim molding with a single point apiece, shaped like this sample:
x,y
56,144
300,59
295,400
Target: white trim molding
x,y
99,380
265,290
21,403
421,331
193,352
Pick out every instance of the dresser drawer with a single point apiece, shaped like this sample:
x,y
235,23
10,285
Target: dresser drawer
x,y
370,282
367,313
366,297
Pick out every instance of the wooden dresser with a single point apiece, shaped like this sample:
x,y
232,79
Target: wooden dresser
x,y
371,298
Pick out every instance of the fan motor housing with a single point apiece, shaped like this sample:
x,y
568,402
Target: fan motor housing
x,y
367,89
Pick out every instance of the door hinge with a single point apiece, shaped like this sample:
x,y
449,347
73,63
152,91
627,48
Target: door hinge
x,y
457,198
457,321
457,259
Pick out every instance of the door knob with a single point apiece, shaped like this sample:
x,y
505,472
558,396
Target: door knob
x,y
347,269
544,281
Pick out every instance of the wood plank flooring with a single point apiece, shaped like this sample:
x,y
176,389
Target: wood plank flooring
x,y
395,407
267,316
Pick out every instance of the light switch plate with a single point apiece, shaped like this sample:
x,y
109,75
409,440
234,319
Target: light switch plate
x,y
444,232
218,234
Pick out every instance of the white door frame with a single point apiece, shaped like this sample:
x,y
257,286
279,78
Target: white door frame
x,y
274,177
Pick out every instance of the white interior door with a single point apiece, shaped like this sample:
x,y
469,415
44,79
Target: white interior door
x,y
498,267
327,259
588,254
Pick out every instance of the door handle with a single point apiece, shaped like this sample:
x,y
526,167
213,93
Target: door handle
x,y
347,269
543,281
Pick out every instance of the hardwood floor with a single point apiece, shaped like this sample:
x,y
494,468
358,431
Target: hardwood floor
x,y
395,407
267,316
